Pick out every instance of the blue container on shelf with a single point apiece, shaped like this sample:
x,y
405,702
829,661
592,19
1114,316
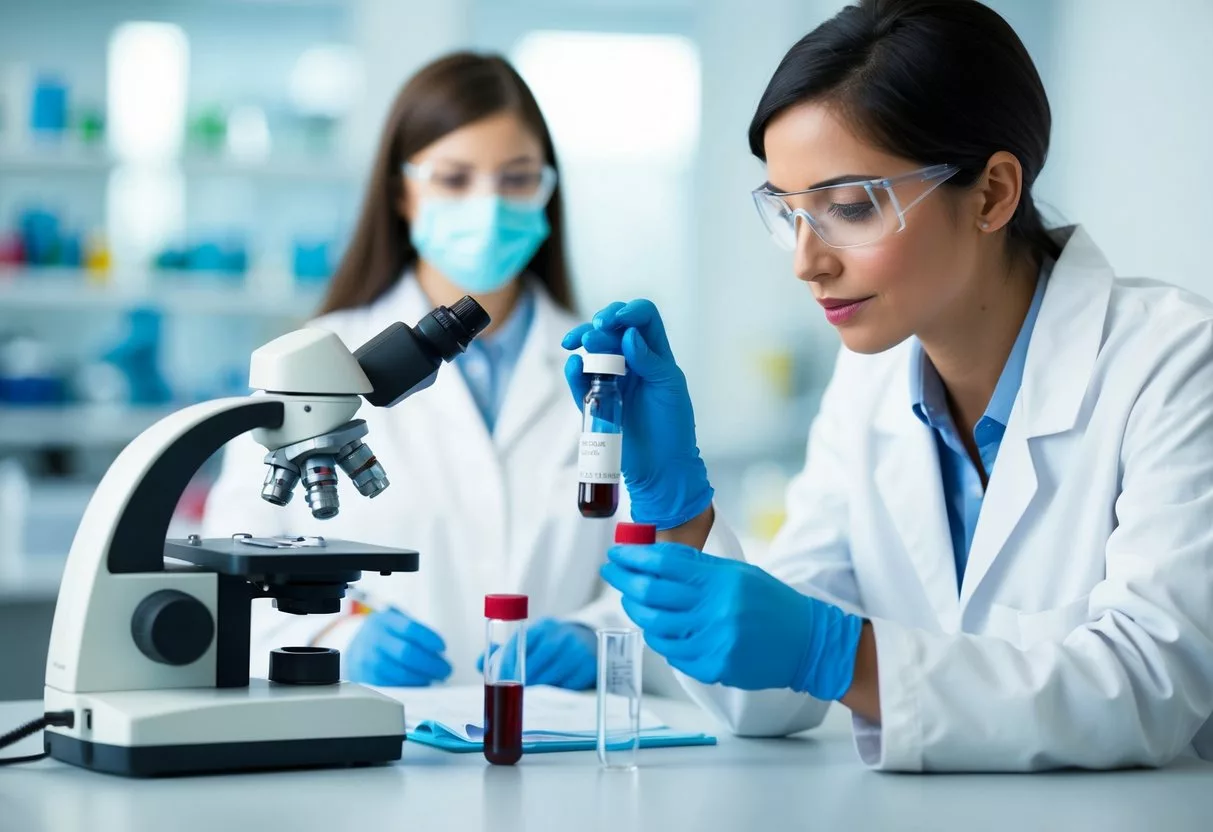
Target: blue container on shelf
x,y
311,262
235,259
205,257
32,390
40,237
48,106
71,252
137,356
170,259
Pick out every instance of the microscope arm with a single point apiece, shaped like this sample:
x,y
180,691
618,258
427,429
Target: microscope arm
x,y
120,544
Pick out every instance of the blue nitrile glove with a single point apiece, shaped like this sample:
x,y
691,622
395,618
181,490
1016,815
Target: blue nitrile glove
x,y
558,653
394,650
666,479
728,621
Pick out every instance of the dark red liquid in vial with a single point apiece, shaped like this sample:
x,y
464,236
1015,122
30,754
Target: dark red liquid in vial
x,y
503,723
598,499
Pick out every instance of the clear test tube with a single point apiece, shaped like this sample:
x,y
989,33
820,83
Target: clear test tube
x,y
620,654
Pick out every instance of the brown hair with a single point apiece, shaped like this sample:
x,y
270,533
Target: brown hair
x,y
443,96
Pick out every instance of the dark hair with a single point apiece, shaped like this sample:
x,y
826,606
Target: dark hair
x,y
936,81
443,96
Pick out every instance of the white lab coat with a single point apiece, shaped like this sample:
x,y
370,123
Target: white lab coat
x,y
488,512
1082,633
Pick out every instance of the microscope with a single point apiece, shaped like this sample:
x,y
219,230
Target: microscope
x,y
149,651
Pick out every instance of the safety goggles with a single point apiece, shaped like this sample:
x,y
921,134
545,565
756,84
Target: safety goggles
x,y
849,214
530,186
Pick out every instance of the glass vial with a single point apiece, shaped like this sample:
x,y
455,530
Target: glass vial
x,y
601,449
504,676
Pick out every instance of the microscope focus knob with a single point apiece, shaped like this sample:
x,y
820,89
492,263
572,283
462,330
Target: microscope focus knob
x,y
172,627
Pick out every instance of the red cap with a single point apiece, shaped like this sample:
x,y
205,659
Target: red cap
x,y
635,533
505,607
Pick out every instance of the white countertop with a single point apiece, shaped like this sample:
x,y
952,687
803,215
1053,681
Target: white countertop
x,y
810,782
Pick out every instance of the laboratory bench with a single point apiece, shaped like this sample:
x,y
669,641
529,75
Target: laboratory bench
x,y
809,782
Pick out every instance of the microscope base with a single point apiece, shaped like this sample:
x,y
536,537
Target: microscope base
x,y
210,730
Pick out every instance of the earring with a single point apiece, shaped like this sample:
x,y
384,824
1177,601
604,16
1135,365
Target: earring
x,y
985,226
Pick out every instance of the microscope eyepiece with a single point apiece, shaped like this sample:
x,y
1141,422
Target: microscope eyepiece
x,y
471,316
402,360
448,331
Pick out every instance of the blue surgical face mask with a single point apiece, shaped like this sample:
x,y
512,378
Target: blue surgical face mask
x,y
480,243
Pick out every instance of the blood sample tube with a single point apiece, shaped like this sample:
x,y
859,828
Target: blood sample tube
x,y
601,436
504,676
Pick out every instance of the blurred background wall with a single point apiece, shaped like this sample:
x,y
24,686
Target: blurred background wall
x,y
178,178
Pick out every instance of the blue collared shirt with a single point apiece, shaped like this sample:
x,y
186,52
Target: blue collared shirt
x,y
962,488
488,364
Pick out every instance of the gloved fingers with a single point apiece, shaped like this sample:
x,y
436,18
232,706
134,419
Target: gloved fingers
x,y
396,623
539,648
424,638
539,632
544,664
389,620
643,361
555,674
672,561
578,667
583,678
389,674
701,668
579,384
385,669
658,593
643,315
662,622
604,318
572,339
480,661
570,669
414,659
597,340
504,658
583,636
675,649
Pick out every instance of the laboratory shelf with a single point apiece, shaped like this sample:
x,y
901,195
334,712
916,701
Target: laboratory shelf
x,y
75,160
55,160
302,170
35,426
24,289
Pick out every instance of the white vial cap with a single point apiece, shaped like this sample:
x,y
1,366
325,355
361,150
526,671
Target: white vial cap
x,y
602,363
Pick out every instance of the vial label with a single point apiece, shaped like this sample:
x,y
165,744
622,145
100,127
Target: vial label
x,y
599,458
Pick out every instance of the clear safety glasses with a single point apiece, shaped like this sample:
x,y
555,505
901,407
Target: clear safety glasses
x,y
526,185
849,214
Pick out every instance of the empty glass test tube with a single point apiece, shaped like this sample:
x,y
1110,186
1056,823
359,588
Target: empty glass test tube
x,y
620,655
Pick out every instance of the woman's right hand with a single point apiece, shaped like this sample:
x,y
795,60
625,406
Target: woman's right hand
x,y
393,650
666,478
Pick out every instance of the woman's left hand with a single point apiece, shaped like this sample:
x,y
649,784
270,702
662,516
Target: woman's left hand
x,y
729,622
558,653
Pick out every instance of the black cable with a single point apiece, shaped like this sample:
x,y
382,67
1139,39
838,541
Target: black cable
x,y
64,719
32,758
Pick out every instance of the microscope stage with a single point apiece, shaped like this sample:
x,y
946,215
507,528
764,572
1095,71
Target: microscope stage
x,y
245,555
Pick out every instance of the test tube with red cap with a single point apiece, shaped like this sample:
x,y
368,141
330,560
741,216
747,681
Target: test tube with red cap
x,y
504,676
